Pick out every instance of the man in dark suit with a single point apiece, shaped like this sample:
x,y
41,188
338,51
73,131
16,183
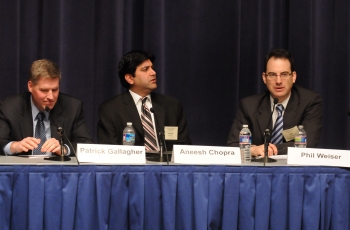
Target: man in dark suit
x,y
300,107
136,73
42,109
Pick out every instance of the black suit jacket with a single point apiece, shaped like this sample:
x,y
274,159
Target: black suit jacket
x,y
16,122
304,108
116,112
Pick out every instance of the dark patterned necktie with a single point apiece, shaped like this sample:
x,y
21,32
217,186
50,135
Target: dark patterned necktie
x,y
146,119
40,133
277,137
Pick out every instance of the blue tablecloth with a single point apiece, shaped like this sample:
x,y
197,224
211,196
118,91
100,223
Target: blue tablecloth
x,y
174,197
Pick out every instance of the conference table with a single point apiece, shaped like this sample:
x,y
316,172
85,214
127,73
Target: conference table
x,y
37,193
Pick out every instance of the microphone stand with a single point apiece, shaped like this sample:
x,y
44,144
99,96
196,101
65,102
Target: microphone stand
x,y
163,145
60,131
161,139
266,158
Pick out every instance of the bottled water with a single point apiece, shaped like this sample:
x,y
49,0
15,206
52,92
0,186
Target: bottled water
x,y
300,140
129,134
245,141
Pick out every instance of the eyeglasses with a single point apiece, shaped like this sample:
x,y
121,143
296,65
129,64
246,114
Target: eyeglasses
x,y
283,75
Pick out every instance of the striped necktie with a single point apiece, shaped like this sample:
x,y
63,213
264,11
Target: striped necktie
x,y
40,133
277,137
146,119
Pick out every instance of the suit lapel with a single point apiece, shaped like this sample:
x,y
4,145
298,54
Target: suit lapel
x,y
133,114
291,111
265,114
56,119
159,111
26,121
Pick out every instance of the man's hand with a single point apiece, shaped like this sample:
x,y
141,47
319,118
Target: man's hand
x,y
52,145
258,150
28,143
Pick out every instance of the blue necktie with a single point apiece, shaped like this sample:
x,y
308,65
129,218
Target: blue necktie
x,y
277,137
40,133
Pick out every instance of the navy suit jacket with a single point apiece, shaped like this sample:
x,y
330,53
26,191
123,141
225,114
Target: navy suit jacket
x,y
16,122
304,108
116,112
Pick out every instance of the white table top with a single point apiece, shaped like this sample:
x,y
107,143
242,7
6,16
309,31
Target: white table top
x,y
36,160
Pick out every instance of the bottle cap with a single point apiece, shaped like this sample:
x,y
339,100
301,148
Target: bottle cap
x,y
129,123
245,126
300,126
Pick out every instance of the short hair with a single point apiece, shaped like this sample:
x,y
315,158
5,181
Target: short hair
x,y
282,54
43,68
129,62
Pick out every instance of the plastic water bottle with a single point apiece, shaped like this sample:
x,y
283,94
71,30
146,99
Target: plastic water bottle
x,y
245,142
300,140
129,134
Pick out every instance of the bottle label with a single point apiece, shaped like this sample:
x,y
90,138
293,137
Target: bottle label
x,y
245,139
129,137
300,139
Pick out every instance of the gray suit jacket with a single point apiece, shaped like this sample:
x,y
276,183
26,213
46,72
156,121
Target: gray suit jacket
x,y
16,122
116,112
304,108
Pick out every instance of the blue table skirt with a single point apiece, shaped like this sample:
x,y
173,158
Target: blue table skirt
x,y
173,197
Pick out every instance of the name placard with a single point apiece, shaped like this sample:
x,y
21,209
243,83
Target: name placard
x,y
326,157
111,154
195,154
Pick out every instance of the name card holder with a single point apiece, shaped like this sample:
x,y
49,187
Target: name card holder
x,y
111,154
206,155
325,157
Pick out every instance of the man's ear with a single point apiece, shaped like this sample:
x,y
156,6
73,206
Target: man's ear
x,y
263,77
294,76
30,86
129,79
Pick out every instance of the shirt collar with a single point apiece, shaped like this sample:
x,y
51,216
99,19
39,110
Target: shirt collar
x,y
35,110
284,103
137,98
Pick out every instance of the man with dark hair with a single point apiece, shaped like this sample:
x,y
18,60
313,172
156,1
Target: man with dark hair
x,y
295,106
136,73
28,122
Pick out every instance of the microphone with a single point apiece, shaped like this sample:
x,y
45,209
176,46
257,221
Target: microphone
x,y
161,138
60,131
